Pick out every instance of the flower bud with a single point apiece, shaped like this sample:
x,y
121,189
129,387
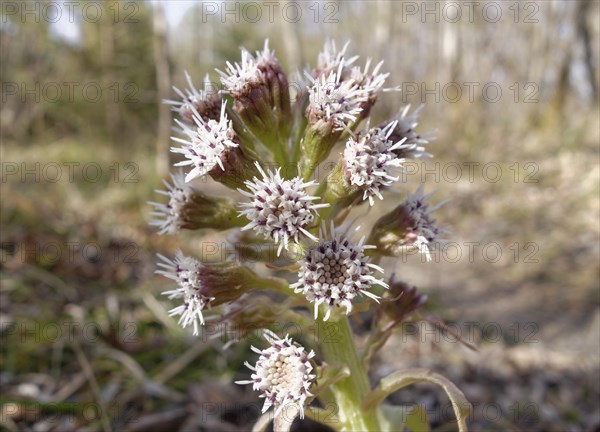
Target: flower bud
x,y
260,91
338,183
213,148
368,165
413,144
206,103
190,209
276,80
401,300
248,314
250,248
408,225
201,286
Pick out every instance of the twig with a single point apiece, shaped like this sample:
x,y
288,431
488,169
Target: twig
x,y
89,374
181,363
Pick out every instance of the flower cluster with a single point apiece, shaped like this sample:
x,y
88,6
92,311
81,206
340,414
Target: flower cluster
x,y
405,131
335,271
283,374
185,271
252,138
335,101
170,217
408,225
280,209
370,160
188,208
204,103
207,144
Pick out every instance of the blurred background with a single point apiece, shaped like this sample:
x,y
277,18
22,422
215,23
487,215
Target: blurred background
x,y
511,90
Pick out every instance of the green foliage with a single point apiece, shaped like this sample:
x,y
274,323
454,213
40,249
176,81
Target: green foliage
x,y
101,85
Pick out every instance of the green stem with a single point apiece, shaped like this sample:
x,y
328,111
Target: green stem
x,y
307,168
276,284
339,350
281,155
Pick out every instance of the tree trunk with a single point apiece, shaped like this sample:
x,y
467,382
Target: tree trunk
x,y
107,55
584,34
163,85
290,34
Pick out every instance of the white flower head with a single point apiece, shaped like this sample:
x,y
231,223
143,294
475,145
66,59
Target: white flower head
x,y
206,102
423,229
170,217
283,374
414,143
186,271
280,209
370,161
336,270
207,144
239,78
371,82
266,56
334,100
330,58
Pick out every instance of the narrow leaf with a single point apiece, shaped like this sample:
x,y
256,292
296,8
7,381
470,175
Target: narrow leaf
x,y
401,379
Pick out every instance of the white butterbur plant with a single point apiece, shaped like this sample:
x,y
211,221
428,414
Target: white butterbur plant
x,y
297,258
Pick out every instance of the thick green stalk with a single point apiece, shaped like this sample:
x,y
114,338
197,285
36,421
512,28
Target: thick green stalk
x,y
339,350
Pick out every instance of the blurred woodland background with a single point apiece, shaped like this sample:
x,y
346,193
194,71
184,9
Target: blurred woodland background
x,y
511,89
